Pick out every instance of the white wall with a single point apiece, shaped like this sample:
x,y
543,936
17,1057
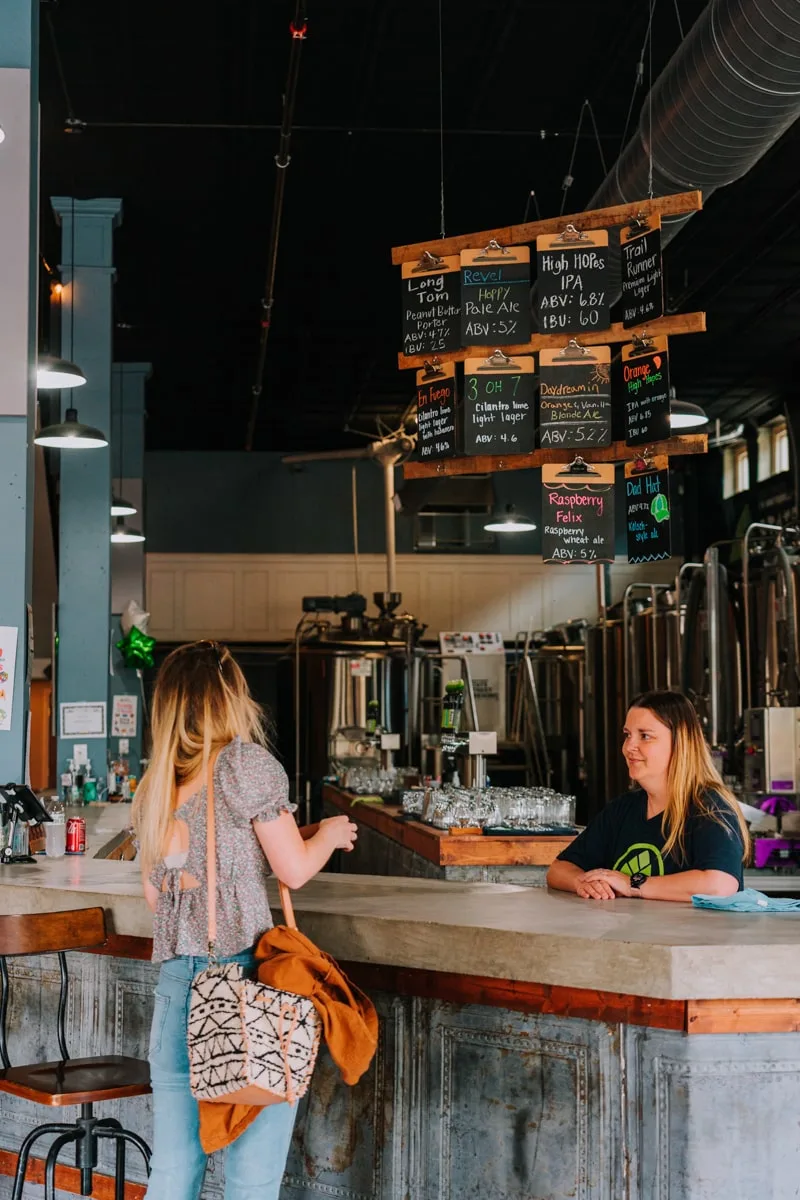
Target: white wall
x,y
256,597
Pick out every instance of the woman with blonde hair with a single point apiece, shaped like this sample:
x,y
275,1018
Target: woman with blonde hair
x,y
678,833
202,717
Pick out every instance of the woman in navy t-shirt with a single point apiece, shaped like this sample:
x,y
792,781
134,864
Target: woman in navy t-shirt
x,y
680,832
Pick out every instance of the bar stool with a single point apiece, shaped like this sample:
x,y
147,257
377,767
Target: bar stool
x,y
69,1081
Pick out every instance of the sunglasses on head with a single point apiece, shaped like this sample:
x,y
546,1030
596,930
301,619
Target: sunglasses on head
x,y
206,644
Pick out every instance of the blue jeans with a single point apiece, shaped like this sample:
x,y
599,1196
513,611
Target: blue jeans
x,y
255,1162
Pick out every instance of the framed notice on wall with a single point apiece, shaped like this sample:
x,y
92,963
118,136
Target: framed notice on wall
x,y
82,719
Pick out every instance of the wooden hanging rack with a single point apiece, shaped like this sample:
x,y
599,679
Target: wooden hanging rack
x,y
662,327
598,218
485,464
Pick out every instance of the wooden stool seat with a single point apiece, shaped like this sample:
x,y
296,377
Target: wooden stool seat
x,y
78,1080
81,1082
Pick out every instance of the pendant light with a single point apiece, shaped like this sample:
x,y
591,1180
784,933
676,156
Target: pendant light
x,y
71,434
122,534
60,373
119,506
683,414
56,373
509,522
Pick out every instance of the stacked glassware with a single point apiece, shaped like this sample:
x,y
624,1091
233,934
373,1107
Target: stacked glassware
x,y
517,809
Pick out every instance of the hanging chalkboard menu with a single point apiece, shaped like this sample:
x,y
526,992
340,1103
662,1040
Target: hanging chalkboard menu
x,y
645,387
578,512
642,275
436,411
575,397
431,305
648,514
495,292
498,405
573,285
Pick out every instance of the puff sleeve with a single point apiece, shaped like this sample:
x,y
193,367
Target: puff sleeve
x,y
254,784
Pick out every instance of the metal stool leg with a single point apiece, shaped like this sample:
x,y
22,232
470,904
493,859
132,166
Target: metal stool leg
x,y
125,1135
119,1171
24,1154
52,1155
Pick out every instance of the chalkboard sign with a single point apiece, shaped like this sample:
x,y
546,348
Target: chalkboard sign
x,y
578,512
645,387
431,305
642,274
648,513
495,295
436,411
575,397
498,405
574,285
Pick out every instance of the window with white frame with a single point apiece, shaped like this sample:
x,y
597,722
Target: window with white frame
x,y
741,469
780,447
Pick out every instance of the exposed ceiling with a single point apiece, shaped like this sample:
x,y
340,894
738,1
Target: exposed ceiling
x,y
181,106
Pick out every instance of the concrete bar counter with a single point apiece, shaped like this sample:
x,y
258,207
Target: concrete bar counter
x,y
533,1045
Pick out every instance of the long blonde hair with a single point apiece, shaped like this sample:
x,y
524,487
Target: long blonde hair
x,y
692,777
201,702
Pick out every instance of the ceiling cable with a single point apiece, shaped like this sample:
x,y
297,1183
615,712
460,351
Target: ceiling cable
x,y
298,29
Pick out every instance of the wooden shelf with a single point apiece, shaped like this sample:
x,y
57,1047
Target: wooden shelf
x,y
442,848
663,327
512,235
485,464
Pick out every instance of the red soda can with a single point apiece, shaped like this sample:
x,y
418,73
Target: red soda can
x,y
76,835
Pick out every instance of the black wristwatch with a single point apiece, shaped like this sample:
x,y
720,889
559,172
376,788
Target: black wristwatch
x,y
636,882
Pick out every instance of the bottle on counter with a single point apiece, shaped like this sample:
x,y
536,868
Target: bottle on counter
x,y
453,706
373,716
56,829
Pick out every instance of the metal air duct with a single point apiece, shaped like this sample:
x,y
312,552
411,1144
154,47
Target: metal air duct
x,y
727,94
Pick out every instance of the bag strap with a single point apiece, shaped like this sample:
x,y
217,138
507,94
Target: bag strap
x,y
211,868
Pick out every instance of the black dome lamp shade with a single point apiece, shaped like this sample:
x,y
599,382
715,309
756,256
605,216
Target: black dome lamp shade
x,y
71,434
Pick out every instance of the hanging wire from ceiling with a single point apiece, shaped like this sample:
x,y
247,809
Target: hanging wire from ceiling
x,y
569,178
298,29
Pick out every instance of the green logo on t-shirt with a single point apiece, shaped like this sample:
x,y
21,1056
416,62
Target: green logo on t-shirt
x,y
641,857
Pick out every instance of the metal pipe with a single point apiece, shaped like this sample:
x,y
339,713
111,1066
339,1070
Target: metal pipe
x,y
388,465
652,588
602,574
711,559
748,679
354,487
470,693
679,611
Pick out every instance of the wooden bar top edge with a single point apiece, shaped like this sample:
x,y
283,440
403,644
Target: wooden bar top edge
x,y
671,326
617,452
598,218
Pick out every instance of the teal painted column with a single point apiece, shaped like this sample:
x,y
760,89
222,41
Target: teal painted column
x,y
128,382
19,166
84,591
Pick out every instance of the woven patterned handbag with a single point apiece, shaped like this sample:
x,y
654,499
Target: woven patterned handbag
x,y
248,1043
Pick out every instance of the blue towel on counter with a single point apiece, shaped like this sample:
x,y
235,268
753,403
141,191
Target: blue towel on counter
x,y
747,901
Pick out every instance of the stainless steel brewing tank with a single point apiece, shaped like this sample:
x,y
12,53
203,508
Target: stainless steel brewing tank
x,y
338,679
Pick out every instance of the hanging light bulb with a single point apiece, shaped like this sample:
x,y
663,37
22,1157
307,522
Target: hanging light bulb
x,y
121,534
509,522
70,434
121,507
56,373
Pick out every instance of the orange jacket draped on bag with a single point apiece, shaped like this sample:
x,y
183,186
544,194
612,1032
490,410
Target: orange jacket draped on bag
x,y
291,962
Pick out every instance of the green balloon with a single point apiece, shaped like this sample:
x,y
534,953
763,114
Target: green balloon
x,y
660,508
137,648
